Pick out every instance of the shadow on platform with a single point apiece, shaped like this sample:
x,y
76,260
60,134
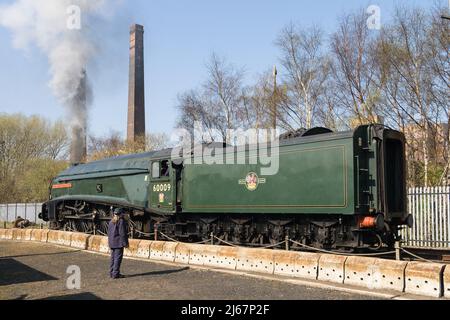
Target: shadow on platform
x,y
77,296
40,254
15,272
155,273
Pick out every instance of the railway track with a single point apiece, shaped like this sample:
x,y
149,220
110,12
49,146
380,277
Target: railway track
x,y
440,255
432,254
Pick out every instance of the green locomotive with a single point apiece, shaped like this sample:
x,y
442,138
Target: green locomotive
x,y
342,190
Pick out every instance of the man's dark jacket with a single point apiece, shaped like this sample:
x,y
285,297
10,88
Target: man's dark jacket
x,y
118,234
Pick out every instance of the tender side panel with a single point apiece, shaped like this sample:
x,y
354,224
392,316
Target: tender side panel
x,y
313,178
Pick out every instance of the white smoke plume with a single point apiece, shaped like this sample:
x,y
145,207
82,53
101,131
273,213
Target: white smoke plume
x,y
45,24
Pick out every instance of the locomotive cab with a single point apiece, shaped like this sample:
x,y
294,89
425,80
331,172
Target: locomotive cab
x,y
162,194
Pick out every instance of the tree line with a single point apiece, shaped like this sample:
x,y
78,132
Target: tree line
x,y
398,76
34,150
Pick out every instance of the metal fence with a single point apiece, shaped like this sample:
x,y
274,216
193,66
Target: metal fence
x,y
431,210
429,206
30,211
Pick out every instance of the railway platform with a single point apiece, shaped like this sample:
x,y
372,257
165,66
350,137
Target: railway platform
x,y
42,271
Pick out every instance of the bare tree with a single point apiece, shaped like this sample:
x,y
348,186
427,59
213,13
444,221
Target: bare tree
x,y
218,104
105,147
399,75
157,141
223,93
306,69
354,68
262,102
331,115
440,51
194,107
114,144
409,77
57,142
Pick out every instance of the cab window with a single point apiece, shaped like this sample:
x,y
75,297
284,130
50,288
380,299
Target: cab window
x,y
165,168
160,169
155,170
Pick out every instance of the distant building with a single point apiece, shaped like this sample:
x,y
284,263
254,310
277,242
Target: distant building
x,y
437,144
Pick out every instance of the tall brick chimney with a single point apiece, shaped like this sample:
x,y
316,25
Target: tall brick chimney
x,y
78,147
136,91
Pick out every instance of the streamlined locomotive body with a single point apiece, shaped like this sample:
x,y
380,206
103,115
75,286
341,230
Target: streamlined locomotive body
x,y
332,190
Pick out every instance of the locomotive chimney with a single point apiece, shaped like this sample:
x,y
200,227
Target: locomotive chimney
x,y
136,94
78,149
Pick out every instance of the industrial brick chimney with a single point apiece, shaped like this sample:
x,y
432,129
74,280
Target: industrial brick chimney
x,y
78,148
136,93
78,151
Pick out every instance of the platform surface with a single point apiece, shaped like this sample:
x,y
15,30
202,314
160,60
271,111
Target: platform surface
x,y
38,271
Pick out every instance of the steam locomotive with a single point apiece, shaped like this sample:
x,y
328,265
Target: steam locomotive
x,y
337,191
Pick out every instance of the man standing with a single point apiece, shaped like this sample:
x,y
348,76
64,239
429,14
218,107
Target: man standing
x,y
118,240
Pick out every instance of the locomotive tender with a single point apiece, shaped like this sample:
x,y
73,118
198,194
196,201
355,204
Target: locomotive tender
x,y
335,191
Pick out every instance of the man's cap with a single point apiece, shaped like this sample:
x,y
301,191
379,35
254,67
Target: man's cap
x,y
119,211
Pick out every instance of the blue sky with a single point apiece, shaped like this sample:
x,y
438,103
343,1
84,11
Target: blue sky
x,y
180,36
